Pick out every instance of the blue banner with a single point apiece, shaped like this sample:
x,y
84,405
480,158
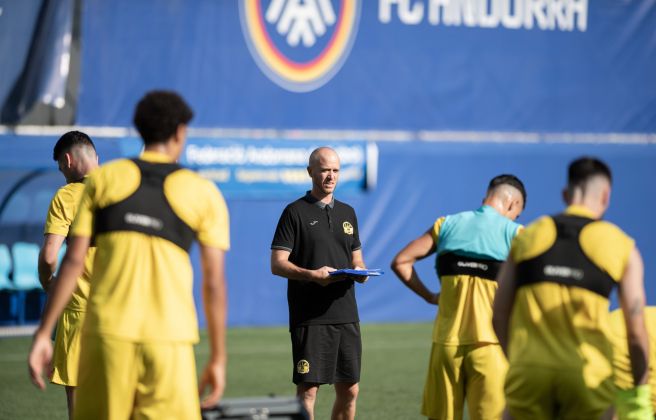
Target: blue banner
x,y
268,169
575,66
18,20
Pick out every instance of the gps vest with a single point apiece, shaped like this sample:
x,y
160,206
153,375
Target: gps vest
x,y
565,262
147,210
452,264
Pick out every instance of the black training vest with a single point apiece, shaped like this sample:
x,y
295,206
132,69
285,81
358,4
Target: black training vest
x,y
451,264
147,210
565,262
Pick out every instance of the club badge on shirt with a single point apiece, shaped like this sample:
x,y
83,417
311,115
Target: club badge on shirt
x,y
348,228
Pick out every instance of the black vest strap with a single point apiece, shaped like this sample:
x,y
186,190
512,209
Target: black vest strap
x,y
565,262
451,264
147,210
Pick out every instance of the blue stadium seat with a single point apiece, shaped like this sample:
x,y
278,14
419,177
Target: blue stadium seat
x,y
26,281
9,299
26,258
5,268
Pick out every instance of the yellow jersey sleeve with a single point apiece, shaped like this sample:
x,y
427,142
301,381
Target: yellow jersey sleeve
x,y
614,255
200,205
84,220
533,240
436,228
214,228
60,213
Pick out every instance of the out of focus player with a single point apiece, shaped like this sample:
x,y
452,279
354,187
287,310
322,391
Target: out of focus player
x,y
551,310
137,358
76,156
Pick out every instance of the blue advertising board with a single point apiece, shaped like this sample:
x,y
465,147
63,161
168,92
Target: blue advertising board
x,y
502,65
267,169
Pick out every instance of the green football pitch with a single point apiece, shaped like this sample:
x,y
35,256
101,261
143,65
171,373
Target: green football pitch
x,y
395,357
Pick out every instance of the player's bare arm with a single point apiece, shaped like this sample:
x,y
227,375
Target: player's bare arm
x,y
503,302
281,266
632,301
71,268
215,303
403,265
48,256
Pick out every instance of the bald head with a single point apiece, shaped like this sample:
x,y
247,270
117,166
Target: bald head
x,y
322,153
323,168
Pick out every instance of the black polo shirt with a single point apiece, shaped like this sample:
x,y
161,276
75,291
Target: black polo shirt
x,y
316,235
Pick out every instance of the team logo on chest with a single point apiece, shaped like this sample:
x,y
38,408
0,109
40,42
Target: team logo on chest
x,y
348,228
299,44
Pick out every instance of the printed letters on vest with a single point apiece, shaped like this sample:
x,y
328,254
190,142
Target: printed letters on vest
x,y
452,264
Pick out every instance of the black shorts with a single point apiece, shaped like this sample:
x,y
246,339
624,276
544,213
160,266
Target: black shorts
x,y
326,354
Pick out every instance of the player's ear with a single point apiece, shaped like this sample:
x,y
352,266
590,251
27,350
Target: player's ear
x,y
516,204
69,159
566,196
309,170
181,133
512,207
605,197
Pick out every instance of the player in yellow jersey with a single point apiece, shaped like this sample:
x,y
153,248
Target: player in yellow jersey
x,y
76,156
551,310
137,358
466,362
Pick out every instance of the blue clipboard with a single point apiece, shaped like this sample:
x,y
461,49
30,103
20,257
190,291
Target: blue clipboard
x,y
364,273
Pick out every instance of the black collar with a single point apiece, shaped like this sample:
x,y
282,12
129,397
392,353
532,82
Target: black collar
x,y
313,200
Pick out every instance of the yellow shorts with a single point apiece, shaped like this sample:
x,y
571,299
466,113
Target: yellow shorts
x,y
537,393
66,354
474,373
122,379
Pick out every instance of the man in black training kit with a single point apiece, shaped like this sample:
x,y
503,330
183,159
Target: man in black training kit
x,y
317,234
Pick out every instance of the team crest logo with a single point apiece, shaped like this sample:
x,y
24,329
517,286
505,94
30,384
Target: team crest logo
x,y
348,228
300,44
303,366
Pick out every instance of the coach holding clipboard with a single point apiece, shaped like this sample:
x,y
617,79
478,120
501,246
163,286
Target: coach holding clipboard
x,y
316,235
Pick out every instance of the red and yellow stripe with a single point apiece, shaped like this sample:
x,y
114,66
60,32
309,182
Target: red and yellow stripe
x,y
291,70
